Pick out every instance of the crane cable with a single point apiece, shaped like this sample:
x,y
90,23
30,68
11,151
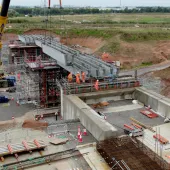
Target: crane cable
x,y
49,7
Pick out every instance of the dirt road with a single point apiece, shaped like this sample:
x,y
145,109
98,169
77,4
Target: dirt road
x,y
145,70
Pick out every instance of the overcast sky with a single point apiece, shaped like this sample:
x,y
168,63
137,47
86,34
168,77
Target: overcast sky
x,y
103,3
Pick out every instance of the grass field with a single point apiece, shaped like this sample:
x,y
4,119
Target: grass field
x,y
104,25
115,18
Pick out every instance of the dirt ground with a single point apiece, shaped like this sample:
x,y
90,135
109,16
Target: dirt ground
x,y
30,123
132,54
165,80
93,44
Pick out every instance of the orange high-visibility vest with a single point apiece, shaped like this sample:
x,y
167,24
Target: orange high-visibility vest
x,y
70,77
78,78
83,76
96,85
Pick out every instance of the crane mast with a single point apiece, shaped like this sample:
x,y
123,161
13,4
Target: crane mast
x,y
3,21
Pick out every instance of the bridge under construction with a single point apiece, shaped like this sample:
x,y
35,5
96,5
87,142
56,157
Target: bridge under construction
x,y
42,65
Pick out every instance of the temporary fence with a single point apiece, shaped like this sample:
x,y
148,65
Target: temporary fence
x,y
73,88
57,129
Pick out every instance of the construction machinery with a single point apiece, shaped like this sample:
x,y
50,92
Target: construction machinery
x,y
134,130
3,21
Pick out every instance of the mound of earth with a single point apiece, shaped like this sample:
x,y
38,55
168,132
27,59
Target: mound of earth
x,y
135,53
29,123
86,44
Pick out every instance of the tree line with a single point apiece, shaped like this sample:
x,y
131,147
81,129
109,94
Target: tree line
x,y
21,11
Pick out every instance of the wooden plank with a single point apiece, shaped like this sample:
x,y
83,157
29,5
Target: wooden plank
x,y
143,125
58,141
19,147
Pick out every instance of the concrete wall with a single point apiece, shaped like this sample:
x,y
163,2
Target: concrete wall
x,y
110,95
74,108
158,103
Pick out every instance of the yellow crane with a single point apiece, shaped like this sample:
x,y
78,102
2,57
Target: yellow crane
x,y
3,21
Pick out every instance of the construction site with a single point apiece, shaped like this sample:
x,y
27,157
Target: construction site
x,y
64,109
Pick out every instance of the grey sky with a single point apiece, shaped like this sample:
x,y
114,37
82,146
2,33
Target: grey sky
x,y
96,2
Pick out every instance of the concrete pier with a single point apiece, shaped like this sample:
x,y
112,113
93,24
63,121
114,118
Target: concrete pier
x,y
74,108
158,103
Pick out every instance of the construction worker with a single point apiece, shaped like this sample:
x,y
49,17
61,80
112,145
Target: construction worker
x,y
83,76
97,85
78,78
70,78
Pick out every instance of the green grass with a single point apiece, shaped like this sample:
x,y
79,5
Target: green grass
x,y
90,33
145,64
111,47
105,26
145,36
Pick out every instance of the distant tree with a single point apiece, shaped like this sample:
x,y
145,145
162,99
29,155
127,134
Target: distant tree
x,y
12,13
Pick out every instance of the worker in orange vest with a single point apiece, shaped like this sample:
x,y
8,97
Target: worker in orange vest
x,y
97,85
83,77
70,78
78,78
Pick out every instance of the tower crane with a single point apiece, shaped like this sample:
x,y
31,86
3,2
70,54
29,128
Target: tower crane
x,y
49,4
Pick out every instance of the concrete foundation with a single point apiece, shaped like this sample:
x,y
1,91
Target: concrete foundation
x,y
74,108
158,103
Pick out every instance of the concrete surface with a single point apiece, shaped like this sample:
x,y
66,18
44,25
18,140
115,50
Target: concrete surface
x,y
158,103
100,96
74,108
94,159
122,116
18,135
11,109
144,70
149,141
121,108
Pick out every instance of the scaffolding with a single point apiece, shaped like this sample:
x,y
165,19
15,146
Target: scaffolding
x,y
36,80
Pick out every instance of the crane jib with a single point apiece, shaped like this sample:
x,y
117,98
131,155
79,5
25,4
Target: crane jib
x,y
5,7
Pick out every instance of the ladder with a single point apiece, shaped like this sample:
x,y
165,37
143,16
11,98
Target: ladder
x,y
121,164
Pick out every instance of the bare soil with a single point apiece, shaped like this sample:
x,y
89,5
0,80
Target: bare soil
x,y
136,53
30,123
130,54
91,43
165,77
